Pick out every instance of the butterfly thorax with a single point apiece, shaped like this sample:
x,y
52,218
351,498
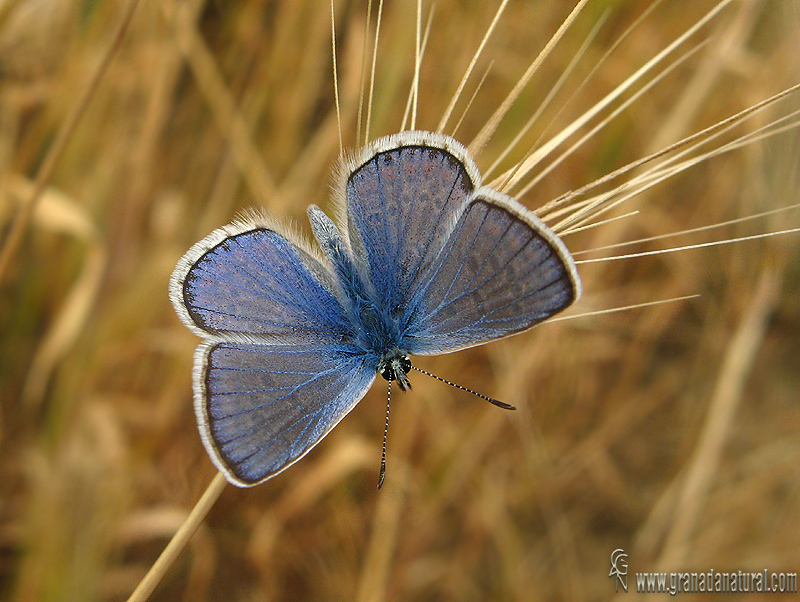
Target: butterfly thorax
x,y
378,333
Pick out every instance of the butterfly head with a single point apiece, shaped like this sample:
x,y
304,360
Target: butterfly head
x,y
394,365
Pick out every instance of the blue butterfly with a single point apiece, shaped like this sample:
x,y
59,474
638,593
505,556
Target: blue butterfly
x,y
427,261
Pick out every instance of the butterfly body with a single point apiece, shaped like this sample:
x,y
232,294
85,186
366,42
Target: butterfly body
x,y
372,328
426,261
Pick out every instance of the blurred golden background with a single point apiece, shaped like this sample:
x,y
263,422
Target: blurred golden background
x,y
670,431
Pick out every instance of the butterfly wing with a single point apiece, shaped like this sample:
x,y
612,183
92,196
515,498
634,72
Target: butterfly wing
x,y
274,374
262,407
401,196
501,271
249,278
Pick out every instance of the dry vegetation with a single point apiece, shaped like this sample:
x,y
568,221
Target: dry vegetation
x,y
670,431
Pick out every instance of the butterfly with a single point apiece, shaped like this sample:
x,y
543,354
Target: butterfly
x,y
424,261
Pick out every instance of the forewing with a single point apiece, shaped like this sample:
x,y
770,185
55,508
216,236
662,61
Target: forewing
x,y
401,195
254,280
501,272
262,407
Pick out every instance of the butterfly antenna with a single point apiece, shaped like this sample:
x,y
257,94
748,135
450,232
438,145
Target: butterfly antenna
x,y
382,475
499,404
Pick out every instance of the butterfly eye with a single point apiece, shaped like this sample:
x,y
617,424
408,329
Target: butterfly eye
x,y
405,364
386,371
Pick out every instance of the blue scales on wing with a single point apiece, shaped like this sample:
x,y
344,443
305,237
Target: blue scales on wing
x,y
258,282
262,407
501,272
400,202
